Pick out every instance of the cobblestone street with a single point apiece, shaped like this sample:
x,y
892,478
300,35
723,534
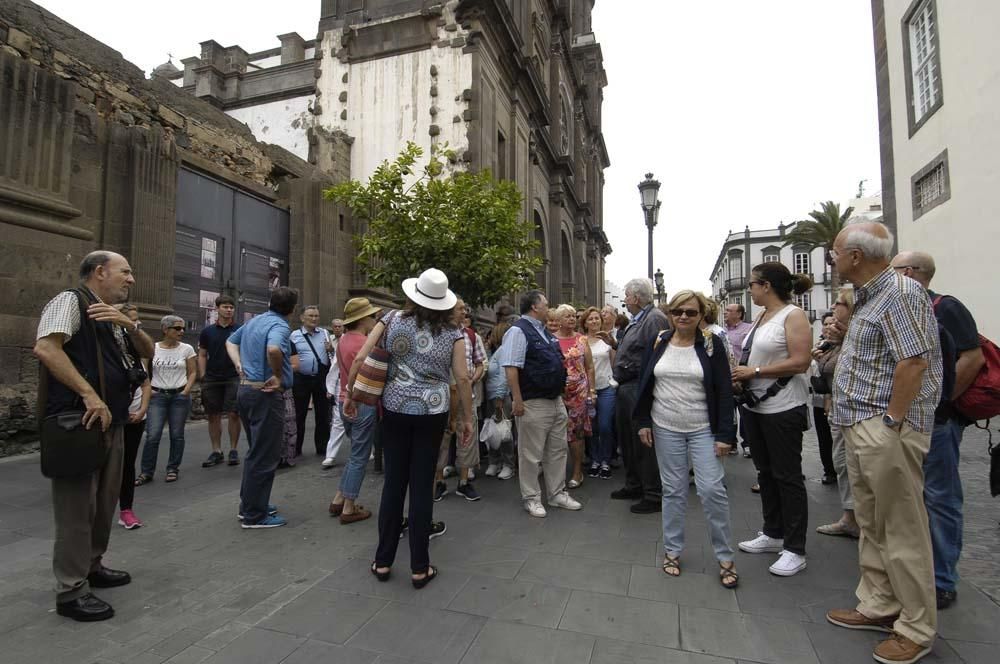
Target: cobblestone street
x,y
572,588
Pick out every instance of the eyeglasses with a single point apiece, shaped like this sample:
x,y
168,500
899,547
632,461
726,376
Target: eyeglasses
x,y
832,255
838,303
900,268
690,313
757,281
176,329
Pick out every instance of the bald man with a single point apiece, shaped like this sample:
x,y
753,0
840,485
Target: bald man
x,y
942,483
886,387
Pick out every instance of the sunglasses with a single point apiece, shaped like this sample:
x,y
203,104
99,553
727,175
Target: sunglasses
x,y
690,313
176,329
757,281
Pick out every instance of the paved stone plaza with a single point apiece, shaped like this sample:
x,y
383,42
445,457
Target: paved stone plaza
x,y
572,588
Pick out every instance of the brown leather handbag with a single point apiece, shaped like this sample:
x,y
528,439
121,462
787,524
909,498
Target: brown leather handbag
x,y
68,448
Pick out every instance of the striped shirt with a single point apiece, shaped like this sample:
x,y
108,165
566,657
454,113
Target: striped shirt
x,y
893,321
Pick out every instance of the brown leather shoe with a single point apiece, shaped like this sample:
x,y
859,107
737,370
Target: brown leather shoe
x,y
898,649
852,619
336,509
359,514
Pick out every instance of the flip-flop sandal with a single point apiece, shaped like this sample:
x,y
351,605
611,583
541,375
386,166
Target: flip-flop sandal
x,y
143,479
671,563
728,572
428,577
171,476
755,488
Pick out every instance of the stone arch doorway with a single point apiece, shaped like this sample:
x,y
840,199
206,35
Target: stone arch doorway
x,y
566,262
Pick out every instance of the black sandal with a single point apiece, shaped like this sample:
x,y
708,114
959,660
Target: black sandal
x,y
672,563
728,572
171,476
143,479
429,576
381,576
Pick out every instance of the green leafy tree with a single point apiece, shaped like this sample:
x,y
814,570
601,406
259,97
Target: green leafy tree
x,y
465,224
820,231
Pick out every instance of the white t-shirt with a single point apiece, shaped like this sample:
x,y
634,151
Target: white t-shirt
x,y
679,400
769,347
170,366
602,363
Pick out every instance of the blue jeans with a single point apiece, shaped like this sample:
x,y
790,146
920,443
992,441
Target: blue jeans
x,y
361,432
263,418
672,450
943,499
605,426
171,410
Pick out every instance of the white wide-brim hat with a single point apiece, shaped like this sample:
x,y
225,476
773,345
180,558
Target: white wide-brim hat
x,y
430,290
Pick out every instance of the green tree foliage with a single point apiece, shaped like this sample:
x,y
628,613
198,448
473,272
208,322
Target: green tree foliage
x,y
821,230
465,224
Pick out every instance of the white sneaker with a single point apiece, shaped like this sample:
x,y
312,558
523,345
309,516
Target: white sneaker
x,y
329,462
565,501
763,544
506,473
492,470
534,508
448,471
789,564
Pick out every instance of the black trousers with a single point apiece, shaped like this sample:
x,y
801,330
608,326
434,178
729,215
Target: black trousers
x,y
825,438
133,436
411,444
776,447
642,473
305,388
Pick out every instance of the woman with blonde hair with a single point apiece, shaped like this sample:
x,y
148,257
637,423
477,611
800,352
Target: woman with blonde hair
x,y
603,354
685,410
580,392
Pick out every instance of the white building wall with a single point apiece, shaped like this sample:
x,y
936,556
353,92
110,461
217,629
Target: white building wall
x,y
283,123
389,100
962,233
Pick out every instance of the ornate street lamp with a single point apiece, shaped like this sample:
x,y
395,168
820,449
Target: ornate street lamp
x,y
648,191
658,280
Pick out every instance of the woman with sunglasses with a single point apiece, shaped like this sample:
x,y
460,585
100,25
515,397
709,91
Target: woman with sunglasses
x,y
685,410
173,370
771,371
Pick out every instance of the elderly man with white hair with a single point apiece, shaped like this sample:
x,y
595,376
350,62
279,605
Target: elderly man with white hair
x,y
642,474
886,387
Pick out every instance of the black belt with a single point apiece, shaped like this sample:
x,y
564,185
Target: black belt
x,y
174,390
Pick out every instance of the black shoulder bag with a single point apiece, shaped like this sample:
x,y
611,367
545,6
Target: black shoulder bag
x,y
747,397
68,448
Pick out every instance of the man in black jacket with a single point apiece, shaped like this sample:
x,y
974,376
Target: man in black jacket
x,y
642,475
84,506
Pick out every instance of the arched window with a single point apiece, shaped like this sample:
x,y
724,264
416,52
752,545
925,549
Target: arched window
x,y
565,123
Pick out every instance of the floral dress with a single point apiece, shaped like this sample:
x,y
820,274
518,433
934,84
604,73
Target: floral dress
x,y
577,393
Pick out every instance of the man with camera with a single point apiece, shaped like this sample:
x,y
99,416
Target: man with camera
x,y
89,364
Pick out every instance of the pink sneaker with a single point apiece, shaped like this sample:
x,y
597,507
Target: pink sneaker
x,y
129,520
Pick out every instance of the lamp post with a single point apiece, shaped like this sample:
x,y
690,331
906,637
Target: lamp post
x,y
658,280
648,190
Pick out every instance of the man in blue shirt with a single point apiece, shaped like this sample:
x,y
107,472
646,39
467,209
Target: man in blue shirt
x,y
261,352
311,348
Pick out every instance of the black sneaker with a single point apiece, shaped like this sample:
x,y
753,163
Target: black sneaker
x,y
468,492
214,459
234,458
440,491
945,598
595,471
605,473
438,529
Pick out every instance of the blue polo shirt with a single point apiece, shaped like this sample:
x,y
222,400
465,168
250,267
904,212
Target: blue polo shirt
x,y
267,329
310,363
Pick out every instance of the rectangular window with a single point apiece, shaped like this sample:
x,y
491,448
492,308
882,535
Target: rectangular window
x,y
803,301
802,263
501,173
922,59
770,258
931,185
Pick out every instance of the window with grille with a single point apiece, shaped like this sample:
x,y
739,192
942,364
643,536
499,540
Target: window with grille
x,y
931,185
770,258
802,262
923,62
803,301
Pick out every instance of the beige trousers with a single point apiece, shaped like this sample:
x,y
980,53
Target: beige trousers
x,y
894,552
541,438
84,508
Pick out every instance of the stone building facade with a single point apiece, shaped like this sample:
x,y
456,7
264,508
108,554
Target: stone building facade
x,y
94,155
514,86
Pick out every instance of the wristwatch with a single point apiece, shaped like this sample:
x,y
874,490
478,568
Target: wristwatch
x,y
888,420
756,372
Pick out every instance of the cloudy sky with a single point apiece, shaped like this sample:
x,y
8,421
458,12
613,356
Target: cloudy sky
x,y
749,113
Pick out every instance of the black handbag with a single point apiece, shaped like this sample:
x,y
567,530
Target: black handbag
x,y
819,384
68,448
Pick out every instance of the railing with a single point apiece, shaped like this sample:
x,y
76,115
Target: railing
x,y
736,283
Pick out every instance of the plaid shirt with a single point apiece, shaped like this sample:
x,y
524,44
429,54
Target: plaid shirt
x,y
62,316
893,321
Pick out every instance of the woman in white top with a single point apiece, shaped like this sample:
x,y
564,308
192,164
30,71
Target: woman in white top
x,y
685,409
774,359
173,371
604,358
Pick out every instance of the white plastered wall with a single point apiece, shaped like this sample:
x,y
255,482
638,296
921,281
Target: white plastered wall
x,y
283,123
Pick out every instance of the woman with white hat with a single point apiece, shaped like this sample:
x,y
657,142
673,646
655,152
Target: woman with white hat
x,y
425,349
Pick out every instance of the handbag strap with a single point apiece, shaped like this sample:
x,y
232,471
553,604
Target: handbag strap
x,y
319,363
43,371
385,330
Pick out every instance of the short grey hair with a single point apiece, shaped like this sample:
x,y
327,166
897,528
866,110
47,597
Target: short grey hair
x,y
642,289
92,261
170,320
870,244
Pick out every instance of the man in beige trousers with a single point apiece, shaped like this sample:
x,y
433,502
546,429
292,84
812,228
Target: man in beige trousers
x,y
886,387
